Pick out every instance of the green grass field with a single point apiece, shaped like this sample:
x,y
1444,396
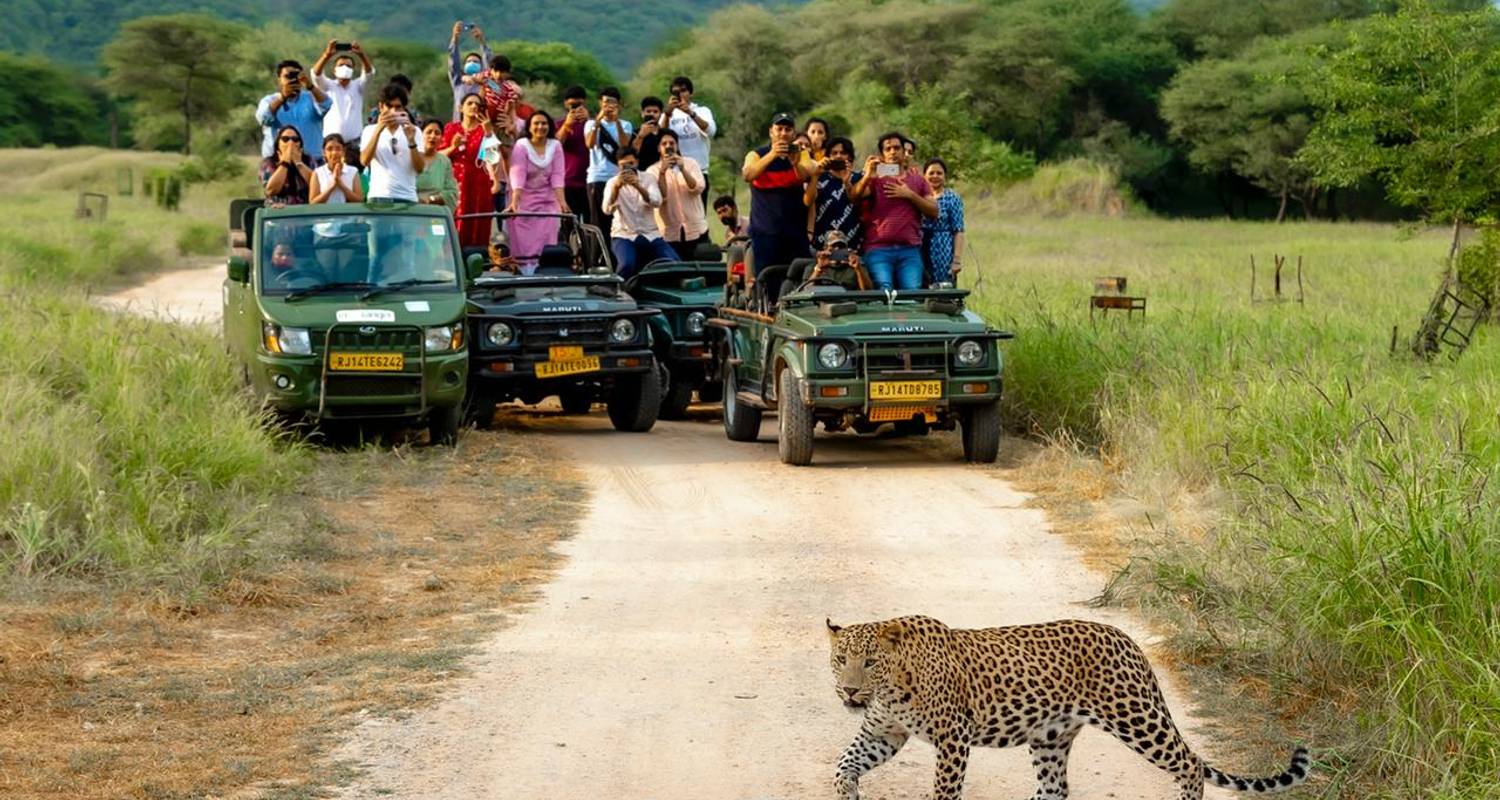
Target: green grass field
x,y
129,451
1325,515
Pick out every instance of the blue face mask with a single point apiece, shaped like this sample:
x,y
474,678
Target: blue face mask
x,y
472,68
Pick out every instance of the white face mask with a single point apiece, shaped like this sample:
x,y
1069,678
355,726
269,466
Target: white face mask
x,y
343,72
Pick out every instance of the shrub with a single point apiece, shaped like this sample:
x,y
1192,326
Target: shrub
x,y
200,239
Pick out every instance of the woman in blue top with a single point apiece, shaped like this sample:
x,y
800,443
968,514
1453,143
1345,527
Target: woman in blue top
x,y
943,236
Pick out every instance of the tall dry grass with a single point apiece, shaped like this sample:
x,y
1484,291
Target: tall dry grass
x,y
1356,560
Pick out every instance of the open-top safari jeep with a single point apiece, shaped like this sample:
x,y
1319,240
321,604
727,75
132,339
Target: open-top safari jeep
x,y
568,330
349,312
686,293
859,360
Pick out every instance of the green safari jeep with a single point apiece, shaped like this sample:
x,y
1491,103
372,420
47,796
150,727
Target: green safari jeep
x,y
350,312
859,360
687,294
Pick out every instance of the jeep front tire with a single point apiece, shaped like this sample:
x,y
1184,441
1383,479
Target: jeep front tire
x,y
795,421
981,432
634,401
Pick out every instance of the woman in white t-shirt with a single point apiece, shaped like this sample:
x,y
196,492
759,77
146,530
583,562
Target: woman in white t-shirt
x,y
335,181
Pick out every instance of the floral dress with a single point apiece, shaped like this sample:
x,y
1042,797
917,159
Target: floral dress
x,y
937,236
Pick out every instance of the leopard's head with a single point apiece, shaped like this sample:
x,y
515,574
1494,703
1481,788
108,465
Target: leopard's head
x,y
857,657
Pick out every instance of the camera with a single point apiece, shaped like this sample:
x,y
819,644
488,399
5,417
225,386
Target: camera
x,y
836,164
839,254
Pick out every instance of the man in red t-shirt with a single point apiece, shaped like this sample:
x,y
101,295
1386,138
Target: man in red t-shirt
x,y
894,200
575,151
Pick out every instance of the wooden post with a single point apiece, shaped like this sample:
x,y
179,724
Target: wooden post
x,y
1280,262
1300,296
1252,277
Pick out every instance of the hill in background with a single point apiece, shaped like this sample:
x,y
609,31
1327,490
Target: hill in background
x,y
620,34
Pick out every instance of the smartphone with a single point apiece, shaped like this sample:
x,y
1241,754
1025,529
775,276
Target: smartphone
x,y
342,46
887,170
468,26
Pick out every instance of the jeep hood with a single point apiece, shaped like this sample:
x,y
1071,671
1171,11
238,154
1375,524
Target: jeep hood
x,y
415,306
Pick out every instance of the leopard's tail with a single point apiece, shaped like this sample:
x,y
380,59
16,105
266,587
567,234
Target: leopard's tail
x,y
1293,776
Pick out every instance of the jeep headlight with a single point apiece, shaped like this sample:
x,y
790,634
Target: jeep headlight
x,y
500,334
695,322
970,353
832,356
622,331
290,341
443,338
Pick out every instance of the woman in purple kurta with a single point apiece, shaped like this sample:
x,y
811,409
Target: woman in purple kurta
x,y
536,181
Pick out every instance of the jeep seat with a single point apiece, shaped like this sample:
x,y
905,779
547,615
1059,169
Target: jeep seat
x,y
708,252
796,274
555,260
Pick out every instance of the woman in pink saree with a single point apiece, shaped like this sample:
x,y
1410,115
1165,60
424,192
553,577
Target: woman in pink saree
x,y
536,181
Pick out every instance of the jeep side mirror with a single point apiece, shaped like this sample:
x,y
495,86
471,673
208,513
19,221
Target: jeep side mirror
x,y
239,269
474,266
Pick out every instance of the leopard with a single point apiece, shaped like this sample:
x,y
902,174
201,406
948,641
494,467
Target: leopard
x,y
1034,684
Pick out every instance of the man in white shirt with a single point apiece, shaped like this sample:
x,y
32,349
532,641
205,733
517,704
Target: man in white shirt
x,y
693,124
347,92
632,197
392,149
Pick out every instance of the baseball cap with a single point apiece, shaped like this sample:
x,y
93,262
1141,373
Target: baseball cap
x,y
783,118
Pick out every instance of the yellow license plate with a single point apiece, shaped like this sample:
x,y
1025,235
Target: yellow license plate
x,y
906,390
564,352
556,369
367,362
902,413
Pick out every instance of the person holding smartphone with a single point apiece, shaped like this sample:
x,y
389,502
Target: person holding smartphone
x,y
896,199
680,216
693,123
830,204
463,72
605,135
346,93
297,102
778,213
392,149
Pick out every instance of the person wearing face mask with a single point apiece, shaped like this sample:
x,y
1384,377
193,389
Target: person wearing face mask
x,y
463,73
346,92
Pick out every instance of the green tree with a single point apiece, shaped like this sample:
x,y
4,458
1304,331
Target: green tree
x,y
1250,114
174,69
44,104
1411,101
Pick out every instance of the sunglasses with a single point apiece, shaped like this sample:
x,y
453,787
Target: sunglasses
x,y
291,139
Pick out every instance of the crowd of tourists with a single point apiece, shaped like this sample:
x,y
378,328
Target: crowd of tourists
x,y
645,184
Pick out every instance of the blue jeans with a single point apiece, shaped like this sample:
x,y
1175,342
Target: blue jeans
x,y
632,254
895,267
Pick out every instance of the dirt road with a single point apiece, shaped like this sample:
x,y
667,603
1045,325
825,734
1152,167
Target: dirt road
x,y
190,295
681,652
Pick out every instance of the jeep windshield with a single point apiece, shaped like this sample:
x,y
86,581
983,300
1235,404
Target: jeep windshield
x,y
356,253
